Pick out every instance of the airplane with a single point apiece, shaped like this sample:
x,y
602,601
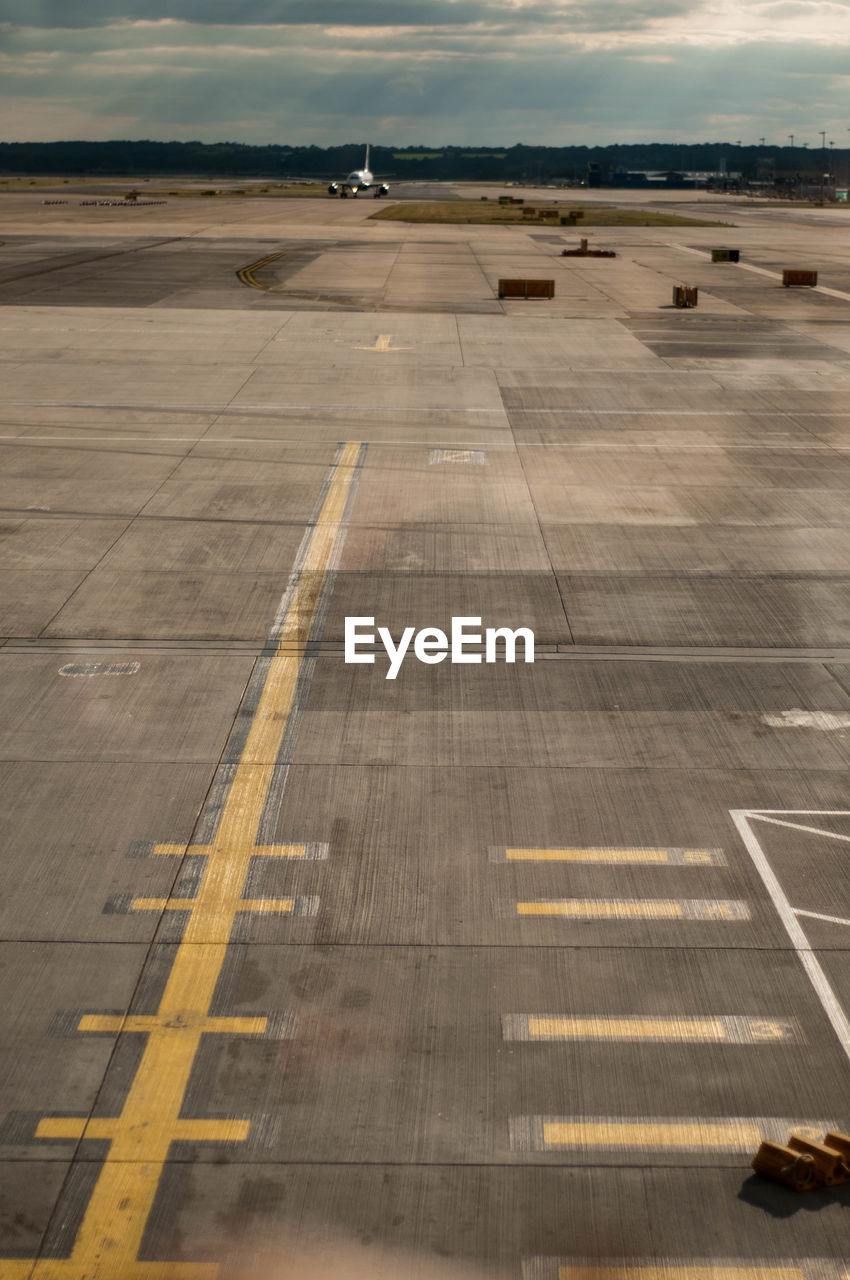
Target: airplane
x,y
359,180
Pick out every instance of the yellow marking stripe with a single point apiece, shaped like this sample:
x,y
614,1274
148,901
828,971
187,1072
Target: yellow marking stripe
x,y
246,276
688,1136
586,855
659,909
680,1272
153,1022
685,857
110,1236
720,1028
256,851
263,906
628,1028
637,909
107,1127
69,1269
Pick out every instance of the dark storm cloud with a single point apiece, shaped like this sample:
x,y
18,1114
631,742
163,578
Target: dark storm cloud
x,y
409,71
591,15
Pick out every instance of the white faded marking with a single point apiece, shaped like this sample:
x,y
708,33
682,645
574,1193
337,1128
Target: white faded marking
x,y
99,669
796,718
476,457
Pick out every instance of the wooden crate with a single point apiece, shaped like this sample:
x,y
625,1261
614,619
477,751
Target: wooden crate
x,y
526,288
725,255
685,295
797,277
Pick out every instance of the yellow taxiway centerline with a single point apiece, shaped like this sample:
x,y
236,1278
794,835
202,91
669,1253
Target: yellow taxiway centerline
x,y
110,1236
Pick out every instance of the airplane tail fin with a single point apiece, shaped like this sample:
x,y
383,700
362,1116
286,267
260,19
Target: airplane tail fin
x,y
366,161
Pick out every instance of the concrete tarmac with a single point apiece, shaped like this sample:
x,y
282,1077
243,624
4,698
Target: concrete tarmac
x,y
504,968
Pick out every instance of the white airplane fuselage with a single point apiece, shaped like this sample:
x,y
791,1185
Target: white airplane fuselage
x,y
359,180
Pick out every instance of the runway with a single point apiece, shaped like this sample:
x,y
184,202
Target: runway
x,y
498,965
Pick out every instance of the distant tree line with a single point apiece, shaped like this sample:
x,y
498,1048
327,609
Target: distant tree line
x,y
501,164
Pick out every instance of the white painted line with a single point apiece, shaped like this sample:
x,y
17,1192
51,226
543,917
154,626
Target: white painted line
x,y
831,1005
815,915
99,668
797,718
798,826
745,266
809,813
762,271
477,457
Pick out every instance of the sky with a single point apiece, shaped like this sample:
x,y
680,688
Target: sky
x,y
436,72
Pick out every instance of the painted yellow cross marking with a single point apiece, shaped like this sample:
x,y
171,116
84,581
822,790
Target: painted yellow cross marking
x,y
255,851
144,1023
268,906
110,1236
185,1130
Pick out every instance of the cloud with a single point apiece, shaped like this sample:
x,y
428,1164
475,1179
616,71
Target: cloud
x,y
558,99
444,71
57,14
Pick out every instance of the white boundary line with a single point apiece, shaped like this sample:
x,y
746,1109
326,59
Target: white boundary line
x,y
815,915
799,826
763,271
830,1002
